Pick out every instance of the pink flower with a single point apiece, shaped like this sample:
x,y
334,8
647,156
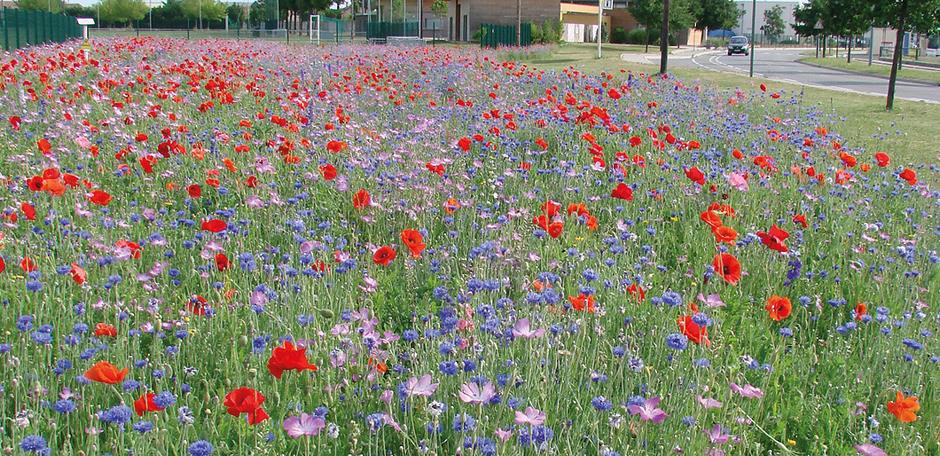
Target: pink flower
x,y
749,391
649,411
708,402
738,181
716,435
503,435
712,300
471,393
523,330
303,425
420,386
531,416
867,449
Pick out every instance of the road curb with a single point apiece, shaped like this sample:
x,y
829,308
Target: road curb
x,y
886,78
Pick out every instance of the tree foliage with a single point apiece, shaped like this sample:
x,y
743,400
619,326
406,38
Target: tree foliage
x,y
208,10
773,22
122,11
716,14
54,6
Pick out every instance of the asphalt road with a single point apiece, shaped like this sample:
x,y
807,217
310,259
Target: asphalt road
x,y
782,65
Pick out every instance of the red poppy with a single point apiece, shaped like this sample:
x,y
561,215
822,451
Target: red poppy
x,y
44,146
384,255
435,168
860,310
140,137
194,190
3,265
28,210
848,159
78,274
414,241
328,172
578,208
288,357
464,144
197,305
695,175
582,303
778,308
130,245
335,146
763,88
711,218
214,225
622,191
15,122
105,372
147,162
246,400
774,239
105,330
637,292
691,329
551,208
27,265
555,229
725,234
221,261
146,404
904,408
882,158
909,175
361,199
728,267
801,219
100,197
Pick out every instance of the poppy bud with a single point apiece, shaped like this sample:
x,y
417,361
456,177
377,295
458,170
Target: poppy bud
x,y
326,313
243,340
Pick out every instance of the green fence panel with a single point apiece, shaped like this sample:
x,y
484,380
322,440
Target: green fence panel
x,y
20,28
382,30
492,35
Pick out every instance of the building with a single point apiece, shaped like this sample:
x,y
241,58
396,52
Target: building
x,y
743,26
616,18
579,22
463,17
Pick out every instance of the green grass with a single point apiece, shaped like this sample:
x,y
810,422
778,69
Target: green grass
x,y
860,65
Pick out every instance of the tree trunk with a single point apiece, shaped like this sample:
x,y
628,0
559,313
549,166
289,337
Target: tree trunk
x,y
896,59
664,39
647,41
851,38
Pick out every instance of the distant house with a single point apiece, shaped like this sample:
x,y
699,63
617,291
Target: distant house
x,y
743,26
463,17
615,18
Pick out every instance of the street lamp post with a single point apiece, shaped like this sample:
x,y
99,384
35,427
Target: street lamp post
x,y
753,25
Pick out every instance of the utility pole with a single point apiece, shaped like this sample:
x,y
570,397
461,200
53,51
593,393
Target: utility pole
x,y
664,39
150,7
519,23
600,25
753,26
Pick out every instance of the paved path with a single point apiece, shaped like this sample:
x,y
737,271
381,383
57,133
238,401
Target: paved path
x,y
782,65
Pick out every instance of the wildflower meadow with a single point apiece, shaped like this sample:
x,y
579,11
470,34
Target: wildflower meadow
x,y
230,248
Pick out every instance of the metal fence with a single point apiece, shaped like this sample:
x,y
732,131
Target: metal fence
x,y
504,35
382,30
20,28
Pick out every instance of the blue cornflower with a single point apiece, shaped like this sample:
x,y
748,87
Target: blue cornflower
x,y
677,341
601,403
142,427
164,399
200,448
64,406
34,444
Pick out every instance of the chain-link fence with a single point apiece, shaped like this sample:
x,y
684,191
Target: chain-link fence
x,y
20,28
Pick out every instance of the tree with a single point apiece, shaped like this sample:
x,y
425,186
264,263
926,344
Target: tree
x,y
921,16
716,14
439,7
52,6
849,18
649,14
203,10
122,11
773,23
235,13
